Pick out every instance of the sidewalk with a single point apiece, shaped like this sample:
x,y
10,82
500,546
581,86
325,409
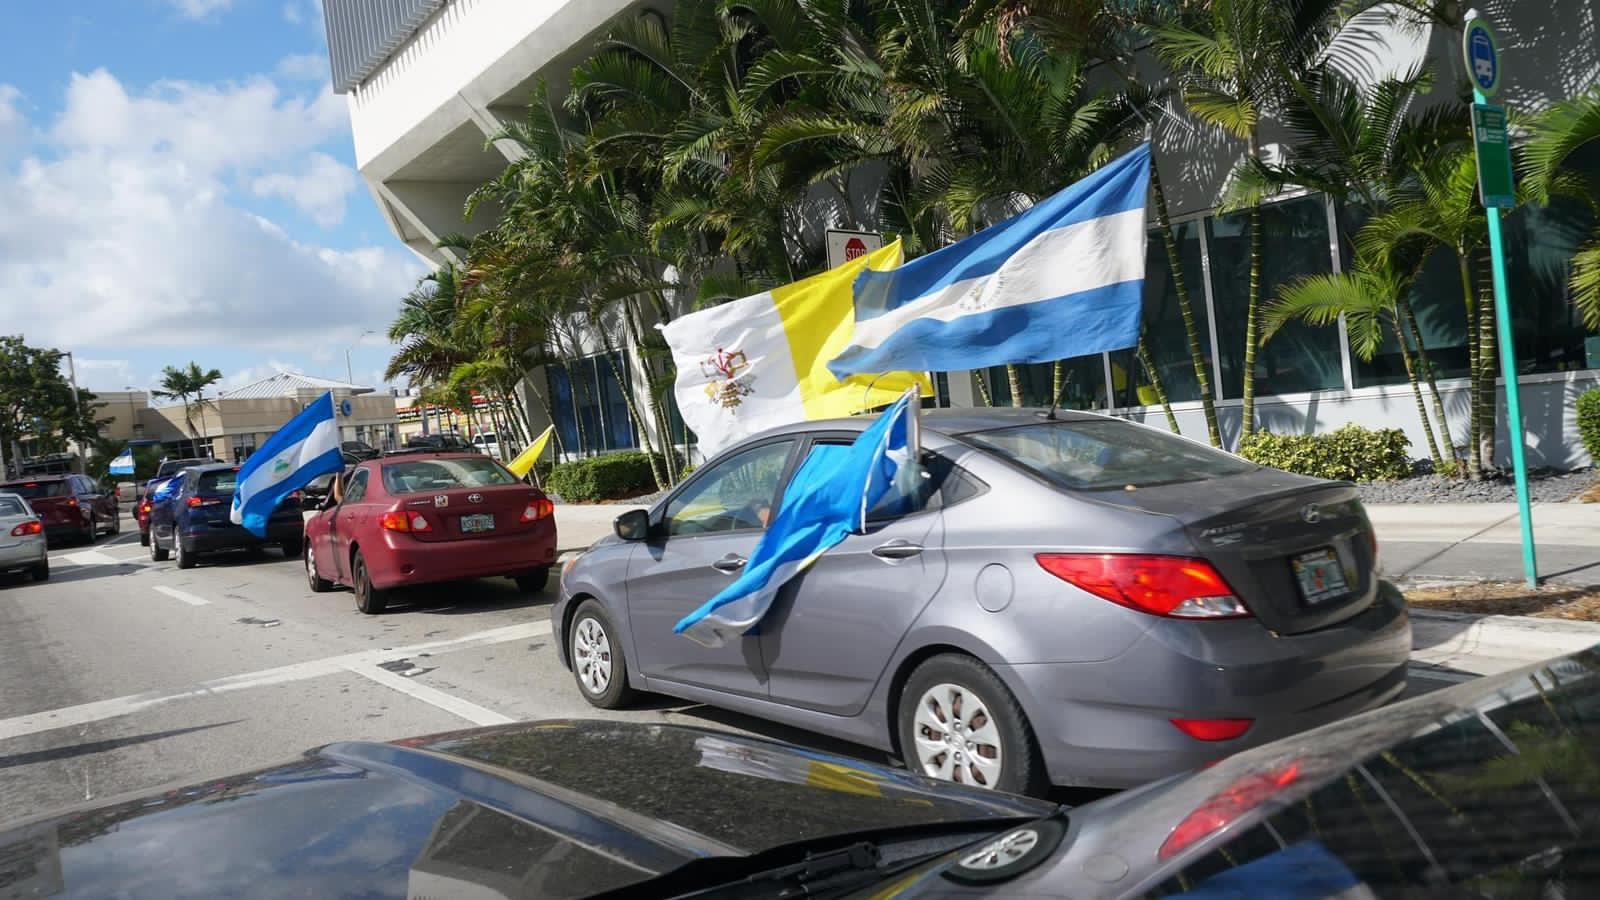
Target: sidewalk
x,y
1484,541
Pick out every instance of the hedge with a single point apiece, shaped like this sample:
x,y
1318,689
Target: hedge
x,y
1589,422
1351,453
612,476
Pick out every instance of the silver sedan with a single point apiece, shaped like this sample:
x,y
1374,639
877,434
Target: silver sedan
x,y
22,543
1069,599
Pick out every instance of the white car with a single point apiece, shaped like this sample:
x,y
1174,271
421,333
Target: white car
x,y
22,547
487,443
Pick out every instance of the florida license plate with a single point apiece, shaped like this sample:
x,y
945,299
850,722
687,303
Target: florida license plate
x,y
477,522
1320,576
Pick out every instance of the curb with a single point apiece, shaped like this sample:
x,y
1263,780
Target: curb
x,y
1486,644
1531,623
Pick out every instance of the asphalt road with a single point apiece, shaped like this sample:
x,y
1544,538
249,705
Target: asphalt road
x,y
121,674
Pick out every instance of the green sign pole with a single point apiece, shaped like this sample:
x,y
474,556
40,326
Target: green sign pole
x,y
1495,184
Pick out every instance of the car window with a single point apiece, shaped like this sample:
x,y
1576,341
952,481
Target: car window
x,y
358,487
418,475
222,481
939,482
34,490
735,494
11,506
1107,454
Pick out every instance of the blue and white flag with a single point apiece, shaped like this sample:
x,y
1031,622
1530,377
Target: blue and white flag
x,y
305,447
827,500
123,464
1065,278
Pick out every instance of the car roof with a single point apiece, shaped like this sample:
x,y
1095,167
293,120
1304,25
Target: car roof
x,y
211,467
35,479
948,422
428,453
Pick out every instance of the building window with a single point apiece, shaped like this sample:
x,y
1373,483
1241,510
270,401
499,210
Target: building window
x,y
243,446
590,411
1164,333
1083,383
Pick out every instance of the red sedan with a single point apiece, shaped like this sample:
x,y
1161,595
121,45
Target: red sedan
x,y
415,517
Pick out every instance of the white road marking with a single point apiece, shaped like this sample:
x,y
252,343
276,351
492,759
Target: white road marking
x,y
85,713
466,709
90,558
185,596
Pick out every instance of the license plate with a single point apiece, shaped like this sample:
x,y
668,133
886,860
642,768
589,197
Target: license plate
x,y
1320,576
477,522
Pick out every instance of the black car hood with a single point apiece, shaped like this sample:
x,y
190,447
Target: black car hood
x,y
561,808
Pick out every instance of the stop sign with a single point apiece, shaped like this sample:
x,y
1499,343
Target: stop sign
x,y
853,248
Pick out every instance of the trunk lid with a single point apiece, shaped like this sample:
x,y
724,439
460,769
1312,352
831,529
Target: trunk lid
x,y
1299,551
475,513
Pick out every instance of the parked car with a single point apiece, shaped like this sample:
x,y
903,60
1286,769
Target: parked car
x,y
166,469
487,443
1485,789
22,542
1068,598
357,451
417,517
442,442
70,505
193,519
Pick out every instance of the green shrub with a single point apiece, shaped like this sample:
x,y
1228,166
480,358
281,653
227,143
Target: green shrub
x,y
1589,422
1351,453
609,477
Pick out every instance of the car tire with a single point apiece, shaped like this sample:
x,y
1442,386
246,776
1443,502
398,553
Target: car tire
x,y
941,693
317,583
1009,855
533,582
184,558
41,572
598,663
116,525
291,549
157,553
144,539
369,599
93,533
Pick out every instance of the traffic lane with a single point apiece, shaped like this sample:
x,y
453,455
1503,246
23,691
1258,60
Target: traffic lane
x,y
1571,563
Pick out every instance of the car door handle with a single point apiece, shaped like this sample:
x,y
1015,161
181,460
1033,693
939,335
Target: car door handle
x,y
897,549
730,563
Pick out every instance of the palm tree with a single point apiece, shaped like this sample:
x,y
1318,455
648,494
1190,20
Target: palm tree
x,y
182,384
1236,61
1556,134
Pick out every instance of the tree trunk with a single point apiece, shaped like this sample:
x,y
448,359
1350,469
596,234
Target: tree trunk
x,y
1202,374
1056,379
1475,424
1252,335
1155,383
1446,440
1416,390
638,424
1489,361
982,380
1014,381
630,323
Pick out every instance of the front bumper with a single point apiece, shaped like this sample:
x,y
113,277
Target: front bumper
x,y
19,553
1108,724
405,560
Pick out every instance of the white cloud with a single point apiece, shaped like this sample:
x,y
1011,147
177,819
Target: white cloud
x,y
124,234
253,374
105,374
304,67
13,125
292,14
199,9
319,191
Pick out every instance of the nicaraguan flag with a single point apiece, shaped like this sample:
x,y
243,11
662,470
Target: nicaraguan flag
x,y
1063,279
305,447
123,464
827,499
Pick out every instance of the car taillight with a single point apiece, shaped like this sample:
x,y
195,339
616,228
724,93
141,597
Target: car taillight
x,y
72,501
1174,586
537,509
144,508
1213,729
401,520
27,528
1228,807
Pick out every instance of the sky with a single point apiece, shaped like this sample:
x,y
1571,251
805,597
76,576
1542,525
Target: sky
x,y
177,184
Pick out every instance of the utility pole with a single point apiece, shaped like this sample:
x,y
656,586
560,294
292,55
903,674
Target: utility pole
x,y
77,408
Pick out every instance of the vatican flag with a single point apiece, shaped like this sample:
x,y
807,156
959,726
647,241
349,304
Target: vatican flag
x,y
761,361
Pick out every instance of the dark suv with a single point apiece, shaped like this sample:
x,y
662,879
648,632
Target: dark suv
x,y
167,469
70,505
193,519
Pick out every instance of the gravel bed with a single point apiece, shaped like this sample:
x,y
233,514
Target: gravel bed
x,y
1544,487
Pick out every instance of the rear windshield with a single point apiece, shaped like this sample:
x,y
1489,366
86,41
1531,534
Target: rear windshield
x,y
173,465
11,506
33,490
443,474
221,482
1108,454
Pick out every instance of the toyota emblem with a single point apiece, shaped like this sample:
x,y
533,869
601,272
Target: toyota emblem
x,y
478,498
1311,514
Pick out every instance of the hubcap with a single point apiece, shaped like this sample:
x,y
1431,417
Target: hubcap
x,y
1003,851
591,656
311,563
955,737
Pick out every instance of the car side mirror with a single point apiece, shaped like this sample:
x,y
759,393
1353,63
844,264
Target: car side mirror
x,y
633,525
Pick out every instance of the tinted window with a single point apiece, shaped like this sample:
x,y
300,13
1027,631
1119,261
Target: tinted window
x,y
358,487
11,506
443,474
222,481
734,494
1502,804
940,482
1108,454
33,490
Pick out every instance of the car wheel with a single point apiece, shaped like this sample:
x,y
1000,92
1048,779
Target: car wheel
x,y
144,539
533,582
369,599
958,722
93,534
1010,854
116,524
184,558
598,662
41,572
319,585
290,549
156,552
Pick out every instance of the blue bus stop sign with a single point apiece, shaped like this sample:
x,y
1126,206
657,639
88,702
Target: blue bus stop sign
x,y
1482,56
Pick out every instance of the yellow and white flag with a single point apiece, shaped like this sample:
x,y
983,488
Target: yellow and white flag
x,y
525,460
761,361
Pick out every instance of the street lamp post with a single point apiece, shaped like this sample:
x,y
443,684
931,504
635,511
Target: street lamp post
x,y
77,408
349,376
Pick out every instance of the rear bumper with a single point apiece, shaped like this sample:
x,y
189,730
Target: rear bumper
x,y
212,538
17,554
1108,724
405,560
